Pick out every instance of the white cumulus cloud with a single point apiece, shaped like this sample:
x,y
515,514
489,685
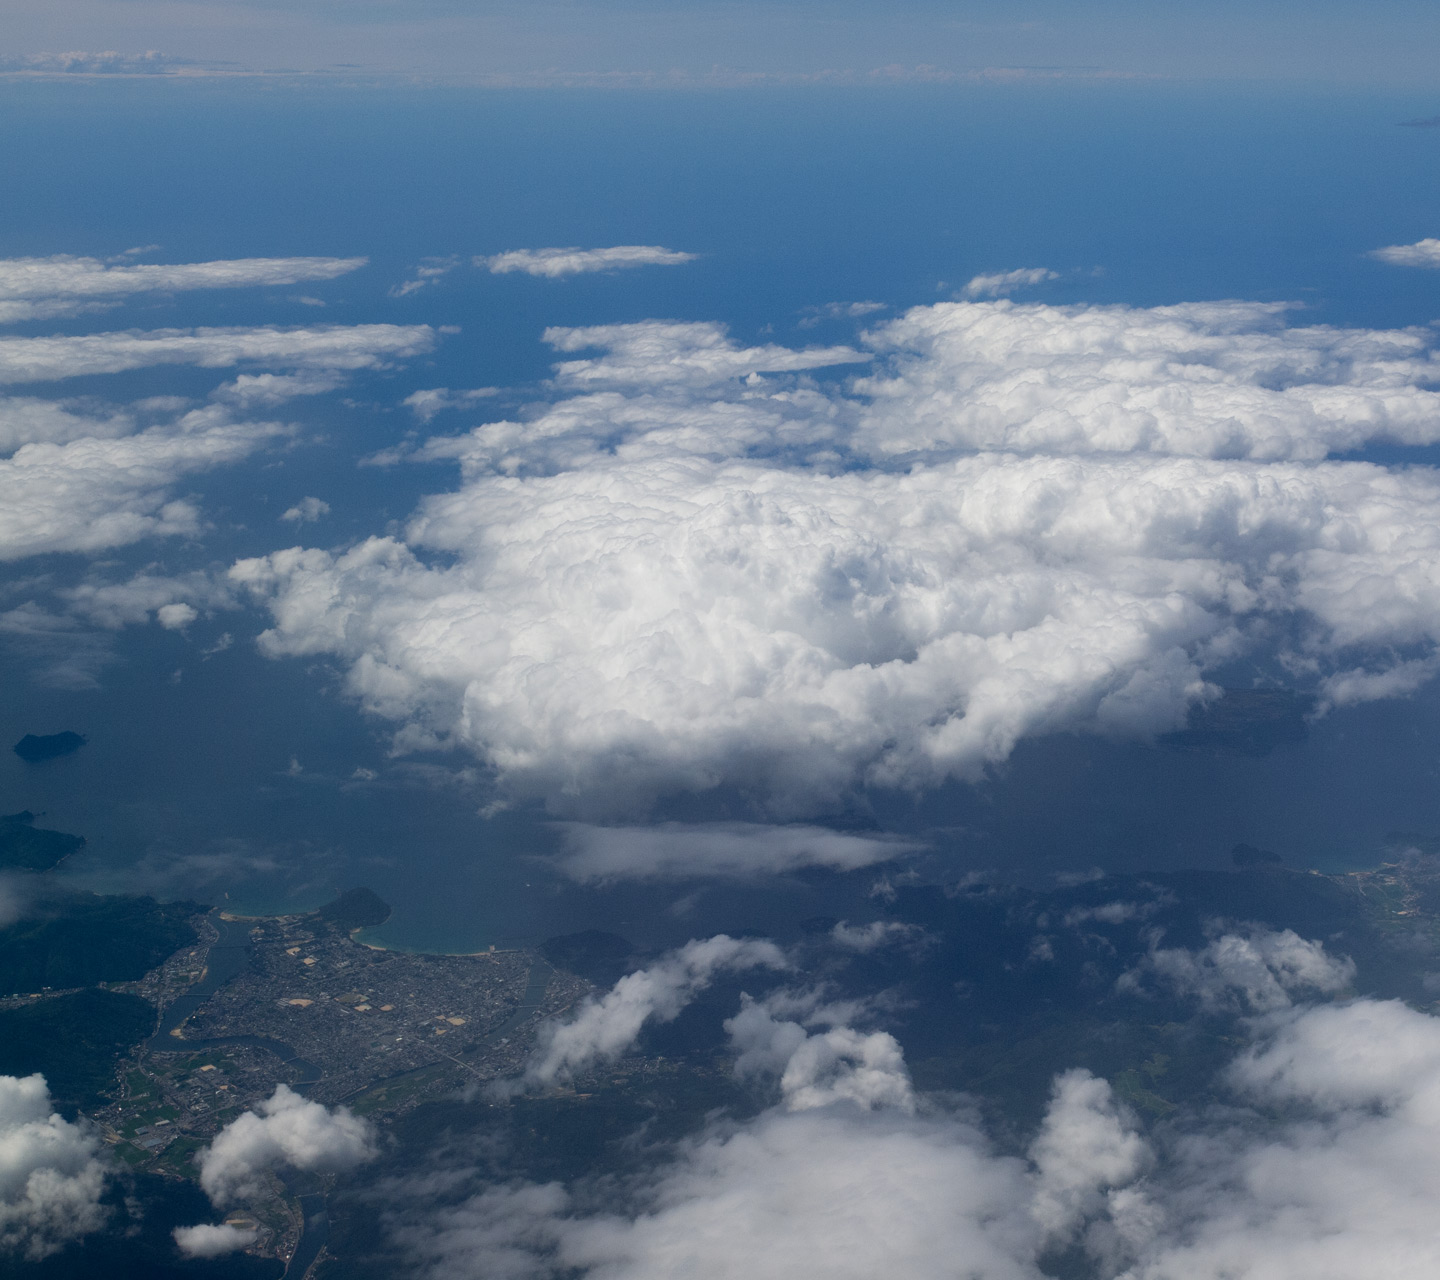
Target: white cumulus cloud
x,y
699,568
284,1129
1087,1146
1218,379
27,420
1423,253
1343,1186
212,1240
176,616
1253,969
555,263
92,493
817,1059
306,511
602,1029
51,1173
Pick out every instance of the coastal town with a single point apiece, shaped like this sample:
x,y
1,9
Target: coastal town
x,y
298,1000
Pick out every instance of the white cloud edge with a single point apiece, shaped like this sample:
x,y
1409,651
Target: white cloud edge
x,y
556,263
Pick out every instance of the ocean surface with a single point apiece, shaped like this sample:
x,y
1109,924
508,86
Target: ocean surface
x,y
233,779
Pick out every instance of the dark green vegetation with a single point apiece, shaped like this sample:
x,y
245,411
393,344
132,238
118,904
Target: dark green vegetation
x,y
82,939
26,847
355,909
600,957
73,1040
33,748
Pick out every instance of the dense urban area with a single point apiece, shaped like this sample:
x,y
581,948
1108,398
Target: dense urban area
x,y
338,1020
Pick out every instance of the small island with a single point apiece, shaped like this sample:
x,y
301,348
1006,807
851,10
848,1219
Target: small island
x,y
36,747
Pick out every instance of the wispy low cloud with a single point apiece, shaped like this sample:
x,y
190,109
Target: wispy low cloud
x,y
676,851
426,404
838,311
603,1028
658,353
86,63
555,263
1423,253
1002,283
82,476
365,346
430,271
35,288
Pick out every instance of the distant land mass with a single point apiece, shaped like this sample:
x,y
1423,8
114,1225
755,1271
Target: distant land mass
x,y
35,747
26,847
